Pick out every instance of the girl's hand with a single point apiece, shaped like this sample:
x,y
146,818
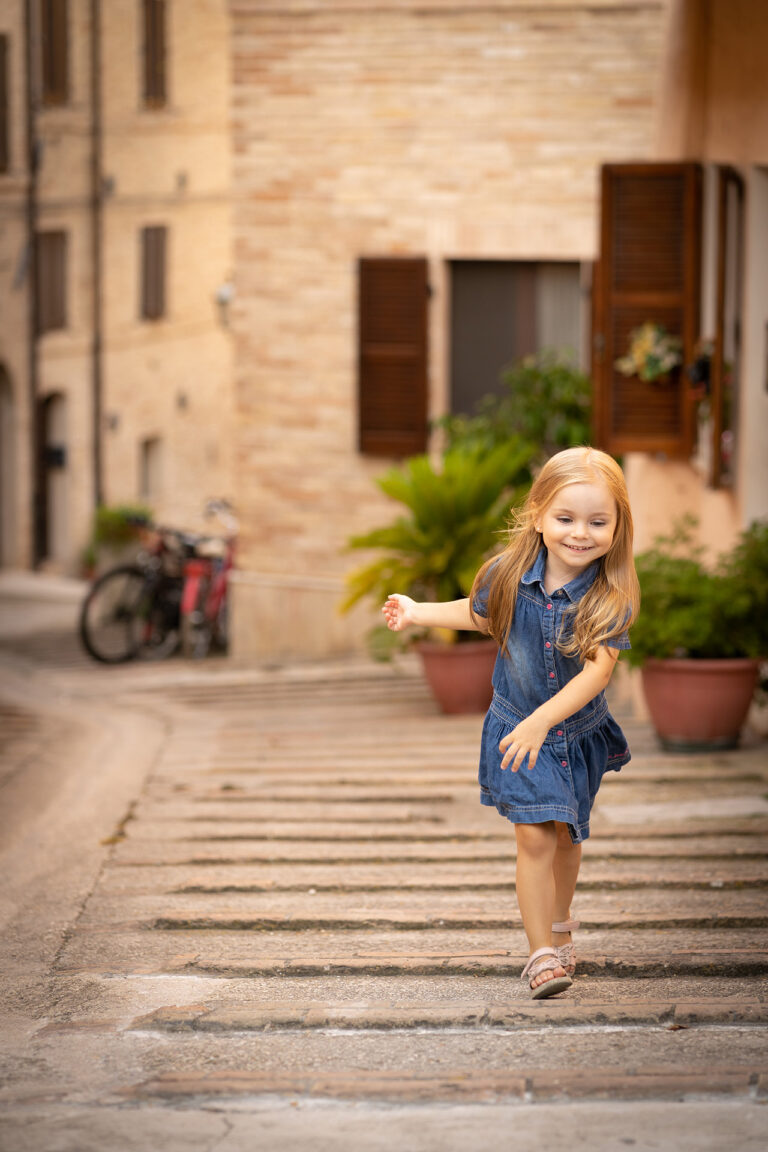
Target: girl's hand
x,y
524,740
399,612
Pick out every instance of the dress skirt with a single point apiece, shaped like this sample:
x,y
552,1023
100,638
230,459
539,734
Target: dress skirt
x,y
563,783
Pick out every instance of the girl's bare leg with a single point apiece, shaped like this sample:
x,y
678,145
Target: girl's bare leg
x,y
566,872
535,884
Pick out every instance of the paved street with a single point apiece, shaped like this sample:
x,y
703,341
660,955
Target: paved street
x,y
263,908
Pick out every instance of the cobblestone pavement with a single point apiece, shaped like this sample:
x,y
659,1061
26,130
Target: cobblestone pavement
x,y
298,899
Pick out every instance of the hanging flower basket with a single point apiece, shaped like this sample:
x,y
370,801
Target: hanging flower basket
x,y
652,355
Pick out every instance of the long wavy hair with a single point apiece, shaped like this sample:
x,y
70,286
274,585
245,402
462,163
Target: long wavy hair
x,y
612,602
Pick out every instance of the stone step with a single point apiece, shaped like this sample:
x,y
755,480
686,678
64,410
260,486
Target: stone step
x,y
404,920
418,908
557,1012
462,1085
158,851
123,949
423,876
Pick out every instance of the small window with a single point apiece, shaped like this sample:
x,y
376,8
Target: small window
x,y
51,280
150,459
154,55
153,259
5,159
55,51
502,311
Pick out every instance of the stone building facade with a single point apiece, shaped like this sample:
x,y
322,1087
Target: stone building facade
x,y
467,134
115,267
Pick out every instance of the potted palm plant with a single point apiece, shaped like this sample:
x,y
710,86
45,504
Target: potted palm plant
x,y
454,514
700,637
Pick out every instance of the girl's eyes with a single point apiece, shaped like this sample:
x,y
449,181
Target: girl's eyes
x,y
594,523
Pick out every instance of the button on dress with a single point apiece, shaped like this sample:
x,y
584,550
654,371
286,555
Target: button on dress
x,y
574,756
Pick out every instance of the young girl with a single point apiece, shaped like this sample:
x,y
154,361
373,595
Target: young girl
x,y
559,601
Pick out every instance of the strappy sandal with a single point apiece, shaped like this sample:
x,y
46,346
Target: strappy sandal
x,y
545,960
566,953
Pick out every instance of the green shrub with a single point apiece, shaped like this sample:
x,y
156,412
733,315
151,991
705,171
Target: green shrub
x,y
117,525
548,402
689,609
455,516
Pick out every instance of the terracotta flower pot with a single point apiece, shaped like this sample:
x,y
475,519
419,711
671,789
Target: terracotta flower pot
x,y
699,704
459,674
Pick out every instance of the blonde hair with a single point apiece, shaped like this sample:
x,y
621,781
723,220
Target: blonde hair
x,y
612,602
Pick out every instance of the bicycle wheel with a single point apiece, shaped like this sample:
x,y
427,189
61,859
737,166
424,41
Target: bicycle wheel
x,y
159,629
112,612
195,626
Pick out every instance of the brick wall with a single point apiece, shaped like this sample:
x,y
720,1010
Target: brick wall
x,y
445,130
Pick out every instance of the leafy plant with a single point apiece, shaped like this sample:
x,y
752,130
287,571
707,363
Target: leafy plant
x,y
688,609
119,524
455,514
547,402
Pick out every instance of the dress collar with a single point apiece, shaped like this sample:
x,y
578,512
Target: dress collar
x,y
574,589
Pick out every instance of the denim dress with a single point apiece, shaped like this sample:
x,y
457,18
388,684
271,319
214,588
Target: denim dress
x,y
570,765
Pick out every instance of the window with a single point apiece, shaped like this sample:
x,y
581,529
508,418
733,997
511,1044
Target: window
x,y
504,310
153,253
150,453
51,280
55,51
392,356
155,94
4,110
649,270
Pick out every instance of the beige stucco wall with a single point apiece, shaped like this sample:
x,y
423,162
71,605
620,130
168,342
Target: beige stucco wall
x,y
16,543
714,109
171,166
445,130
169,378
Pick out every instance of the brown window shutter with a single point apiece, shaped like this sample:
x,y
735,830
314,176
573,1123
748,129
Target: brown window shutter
x,y
649,269
50,280
392,365
155,94
153,252
55,51
5,158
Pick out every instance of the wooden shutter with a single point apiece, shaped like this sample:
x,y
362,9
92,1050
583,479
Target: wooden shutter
x,y
4,111
55,51
649,269
154,53
50,280
153,250
726,354
392,364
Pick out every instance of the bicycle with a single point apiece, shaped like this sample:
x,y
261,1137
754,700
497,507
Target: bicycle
x,y
204,600
135,610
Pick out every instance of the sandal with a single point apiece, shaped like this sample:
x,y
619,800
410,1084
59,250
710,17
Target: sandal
x,y
545,960
566,953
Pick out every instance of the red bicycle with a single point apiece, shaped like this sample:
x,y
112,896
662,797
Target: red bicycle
x,y
174,592
204,616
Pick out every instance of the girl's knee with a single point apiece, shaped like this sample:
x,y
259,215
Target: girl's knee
x,y
564,838
536,840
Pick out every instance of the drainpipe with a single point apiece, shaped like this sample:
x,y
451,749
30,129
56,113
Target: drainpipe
x,y
37,493
96,251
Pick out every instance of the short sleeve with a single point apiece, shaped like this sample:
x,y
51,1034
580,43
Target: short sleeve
x,y
622,642
480,600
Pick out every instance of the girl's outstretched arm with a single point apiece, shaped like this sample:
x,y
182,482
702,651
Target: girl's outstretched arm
x,y
401,612
529,735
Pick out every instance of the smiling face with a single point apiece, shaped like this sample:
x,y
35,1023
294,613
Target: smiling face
x,y
576,528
